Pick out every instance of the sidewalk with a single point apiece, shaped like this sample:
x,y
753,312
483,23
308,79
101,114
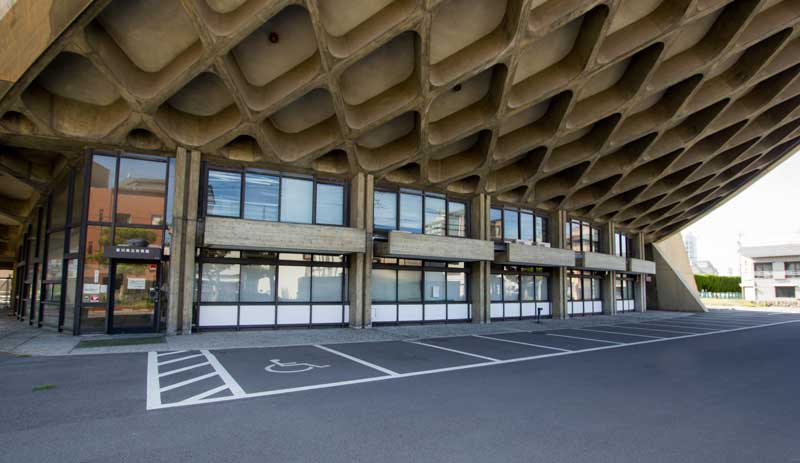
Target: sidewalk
x,y
18,338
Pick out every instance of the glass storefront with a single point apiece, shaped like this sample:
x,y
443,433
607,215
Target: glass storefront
x,y
519,292
584,295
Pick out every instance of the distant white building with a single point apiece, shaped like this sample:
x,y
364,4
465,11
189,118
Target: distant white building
x,y
690,242
770,272
704,267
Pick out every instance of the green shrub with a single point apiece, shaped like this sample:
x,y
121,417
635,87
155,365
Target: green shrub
x,y
718,284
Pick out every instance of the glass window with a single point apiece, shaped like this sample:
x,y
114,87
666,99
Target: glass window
x,y
435,210
456,286
595,239
528,293
792,269
510,225
327,284
510,287
541,229
618,293
330,204
542,293
496,223
294,283
123,234
170,190
586,237
55,255
435,286
385,210
575,235
58,207
261,197
409,286
220,283
763,270
410,213
456,218
258,283
576,289
101,194
95,269
596,289
224,193
384,285
587,289
496,287
526,227
77,197
784,292
296,200
142,189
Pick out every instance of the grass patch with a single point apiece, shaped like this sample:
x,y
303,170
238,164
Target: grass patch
x,y
43,387
88,343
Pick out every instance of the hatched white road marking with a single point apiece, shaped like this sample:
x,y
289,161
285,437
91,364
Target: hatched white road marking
x,y
154,397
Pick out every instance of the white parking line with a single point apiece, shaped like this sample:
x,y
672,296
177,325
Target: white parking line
x,y
639,327
188,381
519,342
203,398
164,354
167,362
669,325
181,370
621,334
357,360
697,324
454,350
236,390
584,339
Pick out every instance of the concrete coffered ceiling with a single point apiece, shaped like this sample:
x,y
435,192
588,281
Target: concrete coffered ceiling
x,y
649,113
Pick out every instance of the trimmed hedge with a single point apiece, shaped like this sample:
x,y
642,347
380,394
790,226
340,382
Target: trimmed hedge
x,y
718,284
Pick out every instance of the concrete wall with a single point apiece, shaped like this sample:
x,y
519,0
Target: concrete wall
x,y
673,287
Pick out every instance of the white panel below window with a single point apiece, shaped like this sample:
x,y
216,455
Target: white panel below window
x,y
457,311
620,306
512,309
545,306
326,314
497,310
254,315
598,307
528,309
574,308
384,313
218,315
347,314
294,314
435,311
410,312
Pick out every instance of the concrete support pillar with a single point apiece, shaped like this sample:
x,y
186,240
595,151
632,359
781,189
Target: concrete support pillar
x,y
640,291
362,188
558,281
609,279
184,242
480,272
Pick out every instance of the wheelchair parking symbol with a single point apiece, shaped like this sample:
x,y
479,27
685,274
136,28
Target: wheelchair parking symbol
x,y
277,366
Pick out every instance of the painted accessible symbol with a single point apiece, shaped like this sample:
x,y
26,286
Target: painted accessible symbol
x,y
291,367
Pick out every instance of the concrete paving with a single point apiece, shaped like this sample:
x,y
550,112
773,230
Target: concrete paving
x,y
727,395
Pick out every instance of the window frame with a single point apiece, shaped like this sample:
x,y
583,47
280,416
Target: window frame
x,y
762,274
521,271
424,267
594,246
519,212
242,172
397,192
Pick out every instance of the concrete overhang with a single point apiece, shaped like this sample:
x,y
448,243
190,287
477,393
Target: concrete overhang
x,y
599,261
416,246
641,266
276,236
523,254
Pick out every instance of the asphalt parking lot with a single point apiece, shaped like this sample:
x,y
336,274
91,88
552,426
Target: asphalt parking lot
x,y
716,387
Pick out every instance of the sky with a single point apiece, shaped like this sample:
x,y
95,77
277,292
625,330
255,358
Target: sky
x,y
767,212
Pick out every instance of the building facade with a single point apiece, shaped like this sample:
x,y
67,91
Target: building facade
x,y
771,273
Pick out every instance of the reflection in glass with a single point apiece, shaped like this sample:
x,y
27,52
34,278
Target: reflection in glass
x,y
327,284
526,227
435,216
261,197
330,204
257,283
385,210
542,293
409,286
220,283
456,218
576,289
224,193
541,229
296,200
101,193
435,289
294,284
456,287
587,289
496,223
510,225
511,287
410,213
58,208
95,268
384,285
528,293
141,196
55,255
496,287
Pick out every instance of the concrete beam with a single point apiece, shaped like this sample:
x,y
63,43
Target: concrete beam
x,y
599,261
523,254
641,266
416,246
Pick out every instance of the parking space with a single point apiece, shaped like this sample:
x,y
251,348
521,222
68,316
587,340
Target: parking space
x,y
191,377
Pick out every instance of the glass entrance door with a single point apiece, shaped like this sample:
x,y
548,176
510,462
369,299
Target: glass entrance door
x,y
134,303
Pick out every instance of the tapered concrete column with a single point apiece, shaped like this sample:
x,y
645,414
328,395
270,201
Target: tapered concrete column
x,y
184,241
609,279
558,282
480,272
640,291
360,281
